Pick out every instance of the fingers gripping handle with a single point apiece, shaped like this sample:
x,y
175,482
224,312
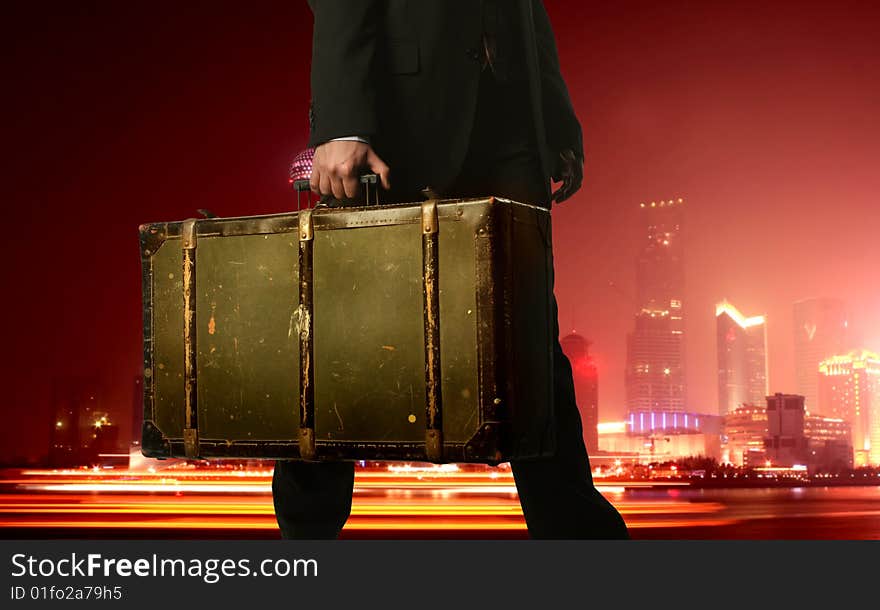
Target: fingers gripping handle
x,y
370,182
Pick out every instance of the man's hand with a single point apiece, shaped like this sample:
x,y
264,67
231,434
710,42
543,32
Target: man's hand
x,y
338,164
569,171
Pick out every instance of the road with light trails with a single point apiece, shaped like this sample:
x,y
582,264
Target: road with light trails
x,y
400,502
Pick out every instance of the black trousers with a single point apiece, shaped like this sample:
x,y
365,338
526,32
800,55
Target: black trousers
x,y
557,495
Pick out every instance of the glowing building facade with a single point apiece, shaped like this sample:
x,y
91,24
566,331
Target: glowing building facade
x,y
742,358
821,330
849,389
655,369
623,440
745,429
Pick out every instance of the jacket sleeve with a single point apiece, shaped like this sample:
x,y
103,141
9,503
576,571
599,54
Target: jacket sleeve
x,y
343,95
560,122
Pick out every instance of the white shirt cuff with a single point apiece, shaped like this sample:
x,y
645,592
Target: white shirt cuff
x,y
352,138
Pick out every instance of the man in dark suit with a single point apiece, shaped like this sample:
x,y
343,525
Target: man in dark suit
x,y
464,98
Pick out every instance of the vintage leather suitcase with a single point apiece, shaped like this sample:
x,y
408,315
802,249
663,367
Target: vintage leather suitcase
x,y
416,332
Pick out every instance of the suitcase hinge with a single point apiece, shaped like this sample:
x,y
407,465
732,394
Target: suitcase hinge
x,y
188,234
307,443
430,220
434,445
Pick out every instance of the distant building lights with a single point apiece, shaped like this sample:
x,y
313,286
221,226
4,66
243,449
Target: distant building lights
x,y
617,427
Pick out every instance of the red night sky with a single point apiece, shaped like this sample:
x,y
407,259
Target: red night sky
x,y
762,116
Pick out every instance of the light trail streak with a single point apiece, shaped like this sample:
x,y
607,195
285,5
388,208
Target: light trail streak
x,y
404,499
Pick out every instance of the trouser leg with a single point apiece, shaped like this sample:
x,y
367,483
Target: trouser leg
x,y
557,494
312,499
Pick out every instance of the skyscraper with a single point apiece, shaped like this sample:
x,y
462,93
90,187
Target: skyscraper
x,y
586,386
655,370
742,358
820,331
849,388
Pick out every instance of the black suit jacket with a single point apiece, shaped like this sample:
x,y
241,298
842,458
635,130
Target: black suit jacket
x,y
405,74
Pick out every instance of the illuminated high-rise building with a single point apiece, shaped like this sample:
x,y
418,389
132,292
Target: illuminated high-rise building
x,y
655,369
586,386
849,389
742,358
821,330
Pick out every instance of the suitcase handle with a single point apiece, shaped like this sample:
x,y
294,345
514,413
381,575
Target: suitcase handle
x,y
366,179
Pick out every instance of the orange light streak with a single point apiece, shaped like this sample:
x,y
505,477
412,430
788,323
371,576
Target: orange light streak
x,y
404,499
